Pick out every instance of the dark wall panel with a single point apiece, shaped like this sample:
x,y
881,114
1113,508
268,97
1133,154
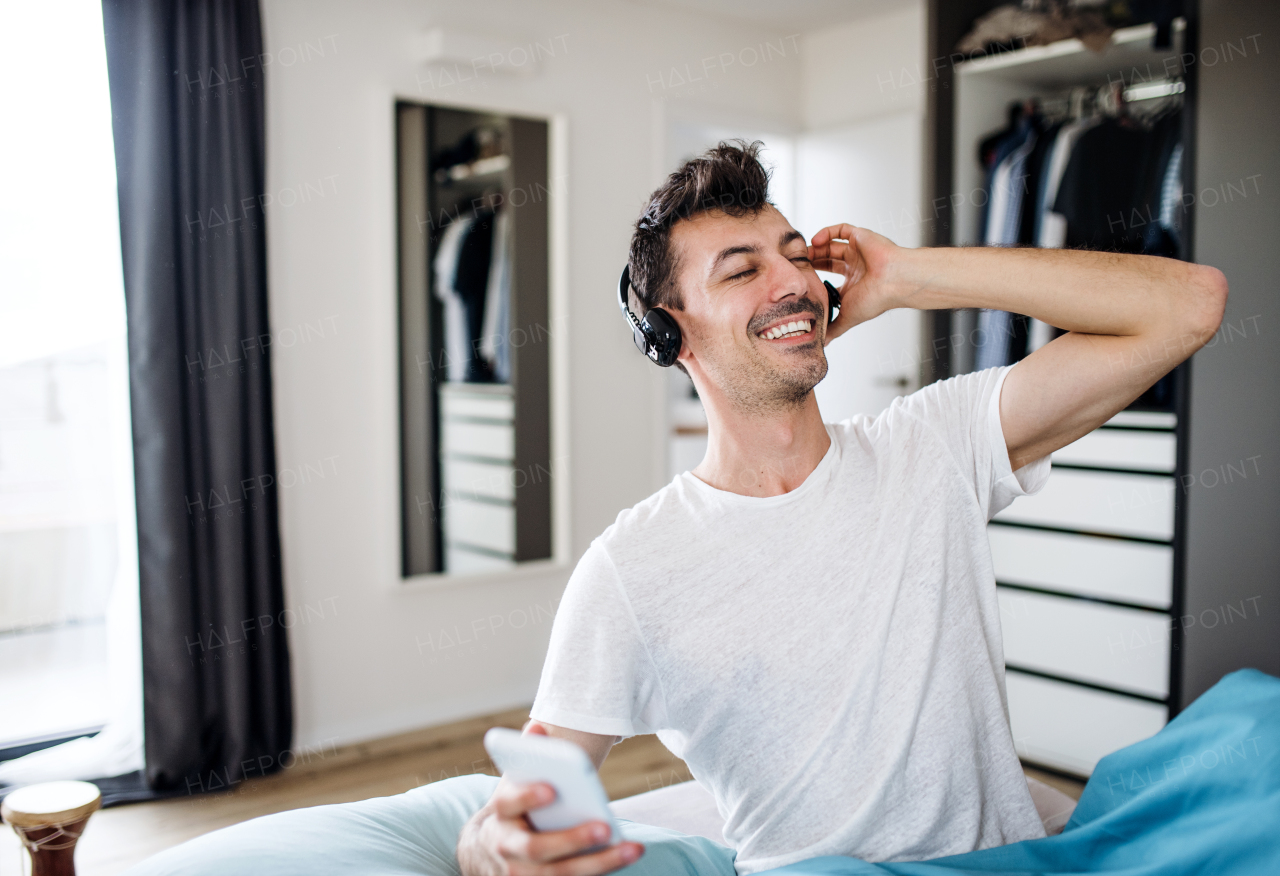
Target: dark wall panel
x,y
1232,488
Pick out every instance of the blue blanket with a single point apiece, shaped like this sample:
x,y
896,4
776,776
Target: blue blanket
x,y
1202,796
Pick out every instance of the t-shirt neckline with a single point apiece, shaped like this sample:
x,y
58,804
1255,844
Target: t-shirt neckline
x,y
818,474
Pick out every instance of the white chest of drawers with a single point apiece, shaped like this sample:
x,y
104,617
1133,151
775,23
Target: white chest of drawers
x,y
477,476
1085,577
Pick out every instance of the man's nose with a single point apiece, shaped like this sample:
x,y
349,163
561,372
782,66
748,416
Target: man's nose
x,y
786,279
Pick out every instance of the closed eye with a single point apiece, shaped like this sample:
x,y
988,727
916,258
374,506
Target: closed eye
x,y
743,274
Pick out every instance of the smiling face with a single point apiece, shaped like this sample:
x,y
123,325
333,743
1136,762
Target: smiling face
x,y
755,311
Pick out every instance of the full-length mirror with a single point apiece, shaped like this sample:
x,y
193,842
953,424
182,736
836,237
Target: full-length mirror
x,y
475,432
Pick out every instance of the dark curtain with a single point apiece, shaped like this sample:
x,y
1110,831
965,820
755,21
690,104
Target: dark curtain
x,y
187,109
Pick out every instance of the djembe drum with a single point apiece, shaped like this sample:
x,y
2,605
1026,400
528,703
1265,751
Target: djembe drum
x,y
49,819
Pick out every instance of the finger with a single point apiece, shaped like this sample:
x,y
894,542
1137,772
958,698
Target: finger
x,y
831,266
835,266
514,800
613,858
554,844
536,729
843,231
835,250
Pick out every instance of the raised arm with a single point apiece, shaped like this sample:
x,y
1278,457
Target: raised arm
x,y
1130,319
498,839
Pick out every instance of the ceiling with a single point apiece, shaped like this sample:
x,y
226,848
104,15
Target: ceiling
x,y
796,15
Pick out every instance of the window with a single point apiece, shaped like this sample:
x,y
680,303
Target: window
x,y
67,530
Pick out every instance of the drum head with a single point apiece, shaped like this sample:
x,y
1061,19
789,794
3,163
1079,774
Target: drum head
x,y
50,803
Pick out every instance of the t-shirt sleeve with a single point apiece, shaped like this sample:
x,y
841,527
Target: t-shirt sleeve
x,y
964,412
598,676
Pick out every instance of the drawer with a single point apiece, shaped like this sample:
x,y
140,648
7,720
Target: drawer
x,y
461,401
1107,502
1121,448
1071,728
1103,568
1145,419
463,476
479,439
1123,648
481,524
460,561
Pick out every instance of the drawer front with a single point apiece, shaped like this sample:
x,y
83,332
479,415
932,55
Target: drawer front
x,y
481,524
1123,648
1119,504
458,401
460,561
1103,568
1119,448
478,439
1145,419
465,477
1070,727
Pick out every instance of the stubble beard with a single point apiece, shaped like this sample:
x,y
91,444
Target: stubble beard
x,y
756,384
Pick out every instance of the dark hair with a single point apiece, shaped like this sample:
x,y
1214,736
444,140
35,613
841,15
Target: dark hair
x,y
727,179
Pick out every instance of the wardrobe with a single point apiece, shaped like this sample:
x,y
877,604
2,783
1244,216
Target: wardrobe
x,y
1059,145
1075,673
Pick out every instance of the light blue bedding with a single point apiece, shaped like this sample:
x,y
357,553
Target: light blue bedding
x,y
1202,796
410,834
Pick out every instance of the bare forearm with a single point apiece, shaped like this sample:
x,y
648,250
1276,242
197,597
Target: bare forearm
x,y
1087,292
1129,319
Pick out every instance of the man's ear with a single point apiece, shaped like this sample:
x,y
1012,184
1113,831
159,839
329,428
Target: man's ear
x,y
685,355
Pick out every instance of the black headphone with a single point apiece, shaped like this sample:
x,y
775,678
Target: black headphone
x,y
658,335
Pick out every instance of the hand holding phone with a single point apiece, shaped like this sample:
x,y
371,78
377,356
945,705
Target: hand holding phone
x,y
501,837
530,758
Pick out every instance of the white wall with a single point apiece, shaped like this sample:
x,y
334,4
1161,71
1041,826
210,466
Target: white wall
x,y
371,659
866,68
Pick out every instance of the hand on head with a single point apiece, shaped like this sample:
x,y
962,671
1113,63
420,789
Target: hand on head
x,y
864,259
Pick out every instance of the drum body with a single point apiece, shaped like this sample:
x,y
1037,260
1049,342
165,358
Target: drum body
x,y
49,819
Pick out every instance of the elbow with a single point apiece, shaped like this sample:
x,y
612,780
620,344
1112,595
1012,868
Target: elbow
x,y
1208,301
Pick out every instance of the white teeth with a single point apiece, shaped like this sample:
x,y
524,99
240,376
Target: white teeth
x,y
792,328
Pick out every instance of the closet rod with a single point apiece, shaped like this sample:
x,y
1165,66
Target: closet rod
x,y
1073,100
1157,88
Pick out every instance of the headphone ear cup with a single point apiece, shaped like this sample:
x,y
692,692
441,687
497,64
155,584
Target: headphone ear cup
x,y
833,301
664,336
641,339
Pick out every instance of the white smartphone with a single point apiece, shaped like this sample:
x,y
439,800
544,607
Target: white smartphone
x,y
528,758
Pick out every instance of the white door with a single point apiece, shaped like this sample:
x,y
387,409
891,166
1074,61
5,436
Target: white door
x,y
867,174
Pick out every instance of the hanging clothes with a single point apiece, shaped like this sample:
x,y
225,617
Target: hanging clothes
x,y
495,344
454,356
1034,172
1051,227
1165,141
998,153
999,331
1171,206
471,282
1097,182
1103,186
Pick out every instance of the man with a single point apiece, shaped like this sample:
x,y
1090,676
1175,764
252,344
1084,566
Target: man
x,y
809,617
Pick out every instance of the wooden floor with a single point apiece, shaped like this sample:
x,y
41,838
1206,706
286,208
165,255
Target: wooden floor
x,y
119,837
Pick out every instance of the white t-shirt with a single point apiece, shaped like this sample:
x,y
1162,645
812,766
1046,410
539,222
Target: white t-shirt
x,y
828,662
